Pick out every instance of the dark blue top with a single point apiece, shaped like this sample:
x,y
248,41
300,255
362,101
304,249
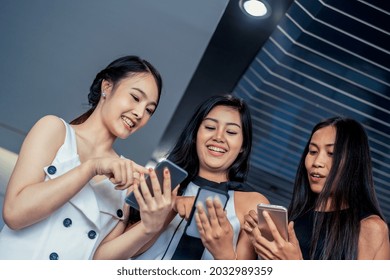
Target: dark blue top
x,y
303,227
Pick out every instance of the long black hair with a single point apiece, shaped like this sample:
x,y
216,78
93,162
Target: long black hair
x,y
184,151
117,70
349,183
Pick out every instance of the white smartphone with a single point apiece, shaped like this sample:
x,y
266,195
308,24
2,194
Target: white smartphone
x,y
178,174
203,193
279,217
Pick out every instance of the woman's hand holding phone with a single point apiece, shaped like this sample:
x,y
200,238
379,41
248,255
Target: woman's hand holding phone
x,y
154,208
177,175
276,249
278,217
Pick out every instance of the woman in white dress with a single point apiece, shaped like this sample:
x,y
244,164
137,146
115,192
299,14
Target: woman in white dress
x,y
66,192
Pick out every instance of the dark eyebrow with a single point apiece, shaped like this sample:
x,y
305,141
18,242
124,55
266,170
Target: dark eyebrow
x,y
229,123
144,95
314,144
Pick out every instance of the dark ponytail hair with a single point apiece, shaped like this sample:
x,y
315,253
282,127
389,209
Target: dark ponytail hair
x,y
116,71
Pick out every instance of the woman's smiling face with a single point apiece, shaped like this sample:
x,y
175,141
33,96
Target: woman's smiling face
x,y
130,105
219,141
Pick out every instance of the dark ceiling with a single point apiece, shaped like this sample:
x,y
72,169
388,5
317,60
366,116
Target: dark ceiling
x,y
309,61
233,46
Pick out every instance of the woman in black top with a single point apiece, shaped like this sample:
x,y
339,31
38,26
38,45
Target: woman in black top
x,y
334,211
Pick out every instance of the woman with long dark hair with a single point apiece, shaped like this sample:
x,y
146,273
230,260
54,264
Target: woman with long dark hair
x,y
334,210
214,149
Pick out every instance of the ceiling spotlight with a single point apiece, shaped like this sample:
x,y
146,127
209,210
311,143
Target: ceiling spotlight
x,y
256,8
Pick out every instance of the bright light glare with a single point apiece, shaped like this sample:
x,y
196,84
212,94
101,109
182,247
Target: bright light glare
x,y
255,8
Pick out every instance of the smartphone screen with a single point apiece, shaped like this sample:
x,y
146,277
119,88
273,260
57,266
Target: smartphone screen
x,y
279,217
203,193
177,176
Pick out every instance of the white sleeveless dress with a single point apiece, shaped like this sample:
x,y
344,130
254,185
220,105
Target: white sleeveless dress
x,y
74,230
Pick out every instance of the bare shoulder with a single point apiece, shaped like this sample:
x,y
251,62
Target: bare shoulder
x,y
51,122
251,197
373,239
246,201
46,136
38,150
373,225
49,125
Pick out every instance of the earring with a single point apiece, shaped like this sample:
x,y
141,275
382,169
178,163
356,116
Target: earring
x,y
103,94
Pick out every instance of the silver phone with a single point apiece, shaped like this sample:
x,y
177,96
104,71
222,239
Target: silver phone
x,y
203,193
279,217
178,174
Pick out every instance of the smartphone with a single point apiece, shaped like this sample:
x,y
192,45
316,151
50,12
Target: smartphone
x,y
178,174
203,193
279,217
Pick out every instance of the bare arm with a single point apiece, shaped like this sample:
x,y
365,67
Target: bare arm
x,y
244,202
124,244
184,211
148,244
373,239
29,198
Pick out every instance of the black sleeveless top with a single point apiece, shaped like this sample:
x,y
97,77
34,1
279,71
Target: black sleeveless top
x,y
303,227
